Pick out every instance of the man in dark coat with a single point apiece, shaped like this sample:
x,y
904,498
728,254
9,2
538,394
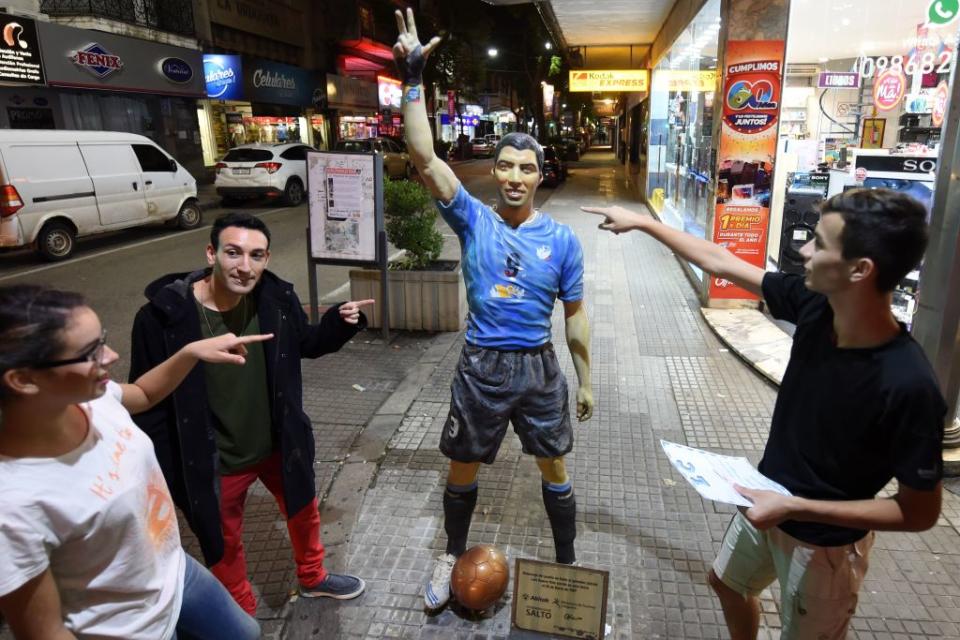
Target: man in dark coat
x,y
221,430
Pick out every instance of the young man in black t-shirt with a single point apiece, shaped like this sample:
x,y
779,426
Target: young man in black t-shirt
x,y
858,405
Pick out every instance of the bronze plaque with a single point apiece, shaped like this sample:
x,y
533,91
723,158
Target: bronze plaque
x,y
560,599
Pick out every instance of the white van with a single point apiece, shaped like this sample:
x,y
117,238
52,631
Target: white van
x,y
56,186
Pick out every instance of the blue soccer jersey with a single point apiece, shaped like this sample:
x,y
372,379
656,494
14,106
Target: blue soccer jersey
x,y
513,276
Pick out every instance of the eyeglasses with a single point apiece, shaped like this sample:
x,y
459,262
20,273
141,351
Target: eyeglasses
x,y
92,355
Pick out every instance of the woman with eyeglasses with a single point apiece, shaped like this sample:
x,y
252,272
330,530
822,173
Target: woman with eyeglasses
x,y
89,543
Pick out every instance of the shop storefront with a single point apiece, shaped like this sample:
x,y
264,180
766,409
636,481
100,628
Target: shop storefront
x,y
354,107
682,151
865,93
851,95
257,101
105,82
465,125
500,122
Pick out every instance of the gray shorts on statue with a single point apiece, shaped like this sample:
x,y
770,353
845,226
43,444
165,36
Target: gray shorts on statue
x,y
493,387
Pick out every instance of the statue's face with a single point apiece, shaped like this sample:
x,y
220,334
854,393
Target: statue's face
x,y
518,176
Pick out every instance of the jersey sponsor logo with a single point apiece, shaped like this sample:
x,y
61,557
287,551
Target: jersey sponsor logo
x,y
506,291
544,252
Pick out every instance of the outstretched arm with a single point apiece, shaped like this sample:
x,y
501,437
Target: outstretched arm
x,y
578,340
710,257
159,382
410,57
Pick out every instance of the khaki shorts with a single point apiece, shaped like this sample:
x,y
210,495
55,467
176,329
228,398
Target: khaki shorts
x,y
818,585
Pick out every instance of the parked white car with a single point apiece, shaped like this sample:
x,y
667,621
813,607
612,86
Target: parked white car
x,y
263,170
57,186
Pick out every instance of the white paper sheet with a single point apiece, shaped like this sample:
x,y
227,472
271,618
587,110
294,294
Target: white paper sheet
x,y
713,475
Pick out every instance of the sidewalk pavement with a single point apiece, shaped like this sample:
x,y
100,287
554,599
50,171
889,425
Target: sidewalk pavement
x,y
658,372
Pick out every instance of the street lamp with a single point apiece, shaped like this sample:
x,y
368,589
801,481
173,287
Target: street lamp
x,y
548,46
492,52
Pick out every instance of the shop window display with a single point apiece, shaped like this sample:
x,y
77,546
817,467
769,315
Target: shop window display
x,y
358,127
270,130
865,94
682,151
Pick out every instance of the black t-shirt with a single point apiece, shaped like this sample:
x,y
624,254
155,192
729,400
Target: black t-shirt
x,y
848,420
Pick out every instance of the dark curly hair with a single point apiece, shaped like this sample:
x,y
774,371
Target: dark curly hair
x,y
237,219
31,321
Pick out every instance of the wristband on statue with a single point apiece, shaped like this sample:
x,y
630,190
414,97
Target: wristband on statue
x,y
411,93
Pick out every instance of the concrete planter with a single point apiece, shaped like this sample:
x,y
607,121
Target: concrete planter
x,y
419,300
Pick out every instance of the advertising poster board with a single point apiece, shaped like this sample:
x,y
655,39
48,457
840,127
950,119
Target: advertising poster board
x,y
343,193
748,145
20,61
389,91
345,220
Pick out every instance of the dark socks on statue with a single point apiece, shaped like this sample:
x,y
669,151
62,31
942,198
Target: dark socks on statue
x,y
561,509
458,505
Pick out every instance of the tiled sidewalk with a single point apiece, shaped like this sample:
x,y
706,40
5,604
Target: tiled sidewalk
x,y
658,372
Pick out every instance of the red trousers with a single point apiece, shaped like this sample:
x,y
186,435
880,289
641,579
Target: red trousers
x,y
303,527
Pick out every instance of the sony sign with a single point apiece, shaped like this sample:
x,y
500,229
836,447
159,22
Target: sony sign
x,y
920,165
897,164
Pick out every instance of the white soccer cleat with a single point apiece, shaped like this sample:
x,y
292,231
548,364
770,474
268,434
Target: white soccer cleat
x,y
437,592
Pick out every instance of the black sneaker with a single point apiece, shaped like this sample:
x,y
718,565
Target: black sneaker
x,y
335,585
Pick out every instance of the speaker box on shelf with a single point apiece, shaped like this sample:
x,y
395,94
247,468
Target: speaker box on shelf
x,y
801,213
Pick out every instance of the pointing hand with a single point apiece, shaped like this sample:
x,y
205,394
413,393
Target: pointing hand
x,y
225,349
618,219
350,311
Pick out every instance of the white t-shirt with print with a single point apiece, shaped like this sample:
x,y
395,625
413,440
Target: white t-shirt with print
x,y
102,519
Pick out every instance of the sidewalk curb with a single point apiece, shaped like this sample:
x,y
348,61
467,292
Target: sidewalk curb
x,y
340,507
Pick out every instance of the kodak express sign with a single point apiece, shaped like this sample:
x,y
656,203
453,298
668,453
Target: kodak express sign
x,y
610,80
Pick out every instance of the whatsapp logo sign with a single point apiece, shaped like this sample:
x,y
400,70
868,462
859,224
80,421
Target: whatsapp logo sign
x,y
943,11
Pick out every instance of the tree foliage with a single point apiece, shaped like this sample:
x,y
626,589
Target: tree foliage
x,y
411,218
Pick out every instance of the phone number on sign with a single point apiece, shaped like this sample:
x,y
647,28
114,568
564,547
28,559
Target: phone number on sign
x,y
923,64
